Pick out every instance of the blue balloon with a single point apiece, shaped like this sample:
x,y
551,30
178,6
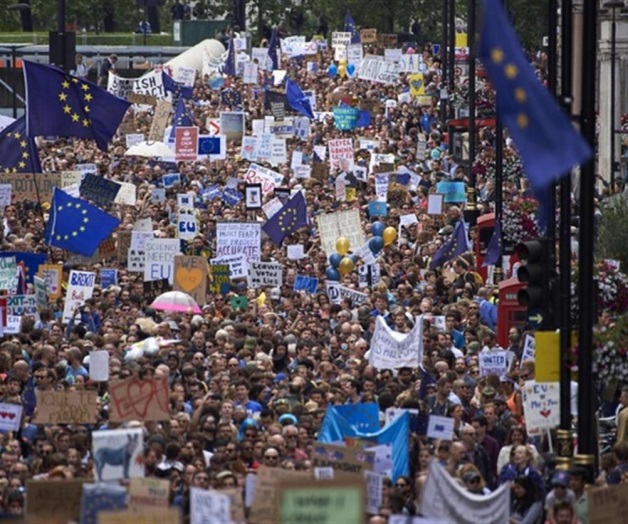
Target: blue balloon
x,y
334,260
377,228
350,69
355,259
332,274
376,244
332,70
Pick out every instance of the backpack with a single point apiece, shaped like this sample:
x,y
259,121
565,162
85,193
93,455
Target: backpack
x,y
477,278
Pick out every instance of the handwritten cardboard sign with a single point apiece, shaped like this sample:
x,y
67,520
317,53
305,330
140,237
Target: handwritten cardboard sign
x,y
66,407
160,121
26,186
152,516
53,501
608,505
264,508
190,276
123,243
345,461
139,98
148,493
136,399
368,36
324,502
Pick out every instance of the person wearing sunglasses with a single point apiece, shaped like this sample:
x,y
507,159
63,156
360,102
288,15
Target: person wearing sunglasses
x,y
472,480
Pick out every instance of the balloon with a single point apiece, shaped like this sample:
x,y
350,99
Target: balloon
x,y
334,260
355,259
342,62
376,244
332,70
390,233
410,51
346,266
342,71
350,69
377,228
343,245
332,274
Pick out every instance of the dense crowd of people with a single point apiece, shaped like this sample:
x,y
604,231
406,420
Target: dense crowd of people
x,y
249,386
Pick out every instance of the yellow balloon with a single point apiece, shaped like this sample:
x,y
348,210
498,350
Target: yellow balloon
x,y
346,266
390,234
343,245
342,62
342,71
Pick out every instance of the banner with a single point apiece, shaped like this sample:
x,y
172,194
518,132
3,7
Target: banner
x,y
332,226
80,289
265,274
391,350
234,238
444,498
148,84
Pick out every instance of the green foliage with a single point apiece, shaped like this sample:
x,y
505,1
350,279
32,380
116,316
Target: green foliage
x,y
612,239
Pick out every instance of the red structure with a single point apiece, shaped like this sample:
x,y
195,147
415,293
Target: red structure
x,y
509,312
485,227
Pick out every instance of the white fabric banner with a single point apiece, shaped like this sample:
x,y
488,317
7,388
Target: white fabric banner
x,y
443,498
391,350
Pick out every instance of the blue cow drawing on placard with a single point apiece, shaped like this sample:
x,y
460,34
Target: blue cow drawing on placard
x,y
120,456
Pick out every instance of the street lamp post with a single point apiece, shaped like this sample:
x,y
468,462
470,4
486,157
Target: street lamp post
x,y
613,5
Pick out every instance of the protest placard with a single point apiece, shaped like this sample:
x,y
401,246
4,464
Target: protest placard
x,y
265,274
147,516
264,507
392,350
5,195
161,118
160,255
148,493
346,462
53,501
10,417
187,225
607,505
66,407
117,454
268,178
24,187
99,190
235,238
295,252
220,280
237,264
374,485
185,143
495,362
541,404
355,297
138,399
346,224
232,125
323,502
127,194
453,192
80,289
340,153
99,365
209,507
190,276
41,297
375,69
52,276
8,274
368,36
434,204
305,283
440,427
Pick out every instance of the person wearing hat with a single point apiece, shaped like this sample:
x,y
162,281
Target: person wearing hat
x,y
560,493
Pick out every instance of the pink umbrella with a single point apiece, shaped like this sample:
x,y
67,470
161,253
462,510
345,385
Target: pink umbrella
x,y
176,301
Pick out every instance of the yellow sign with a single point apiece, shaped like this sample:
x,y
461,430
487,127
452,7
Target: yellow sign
x,y
417,84
547,356
461,39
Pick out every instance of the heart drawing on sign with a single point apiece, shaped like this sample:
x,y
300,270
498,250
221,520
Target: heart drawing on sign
x,y
545,412
188,278
140,395
416,84
7,414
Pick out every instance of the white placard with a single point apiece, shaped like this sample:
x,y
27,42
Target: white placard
x,y
529,349
250,73
272,207
14,325
8,271
410,63
127,444
341,153
265,274
268,178
441,428
541,405
127,195
234,238
392,350
340,38
333,291
393,55
160,253
185,75
295,252
187,226
80,289
5,195
355,54
374,484
238,266
209,507
408,220
11,419
435,204
133,139
99,365
493,362
375,69
332,226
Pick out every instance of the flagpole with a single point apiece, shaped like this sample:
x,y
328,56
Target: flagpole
x,y
443,66
587,440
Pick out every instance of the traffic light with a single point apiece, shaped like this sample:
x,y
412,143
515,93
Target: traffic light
x,y
536,271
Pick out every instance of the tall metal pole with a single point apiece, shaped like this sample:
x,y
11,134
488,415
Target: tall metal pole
x,y
61,31
451,62
587,439
552,85
443,54
613,101
471,192
565,441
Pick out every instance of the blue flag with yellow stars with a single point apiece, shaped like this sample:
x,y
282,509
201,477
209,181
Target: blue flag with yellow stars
x,y
229,67
231,97
58,104
297,99
457,244
76,225
548,143
494,249
31,262
287,220
18,154
174,87
350,27
272,50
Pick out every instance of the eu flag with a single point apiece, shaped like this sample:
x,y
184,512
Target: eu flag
x,y
229,68
494,248
76,225
18,154
287,220
31,262
174,87
350,27
231,98
548,143
181,117
297,99
272,50
58,104
457,244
